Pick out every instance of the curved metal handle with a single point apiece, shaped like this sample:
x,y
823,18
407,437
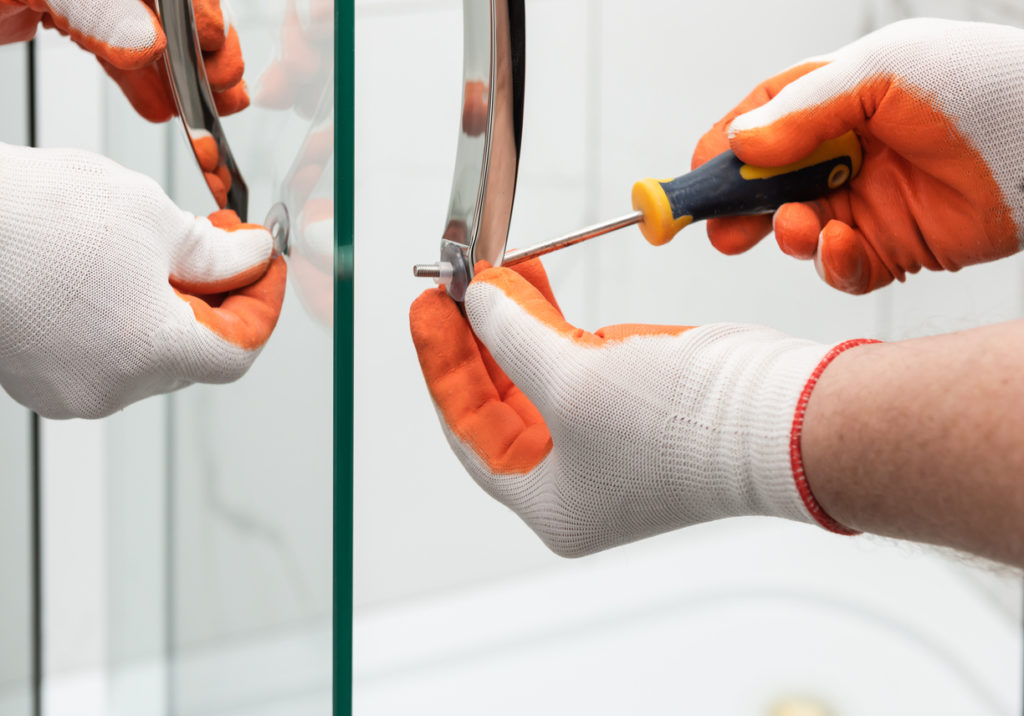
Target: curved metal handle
x,y
487,157
194,101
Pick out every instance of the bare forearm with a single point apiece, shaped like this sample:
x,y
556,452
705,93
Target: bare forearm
x,y
924,440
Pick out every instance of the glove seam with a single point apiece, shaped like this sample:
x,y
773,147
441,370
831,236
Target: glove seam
x,y
795,452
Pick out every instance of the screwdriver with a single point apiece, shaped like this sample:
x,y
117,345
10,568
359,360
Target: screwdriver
x,y
723,186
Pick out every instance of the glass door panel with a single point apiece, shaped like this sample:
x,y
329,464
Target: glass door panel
x,y
251,462
245,525
459,608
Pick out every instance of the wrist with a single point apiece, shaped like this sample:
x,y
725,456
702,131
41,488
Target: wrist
x,y
758,384
803,486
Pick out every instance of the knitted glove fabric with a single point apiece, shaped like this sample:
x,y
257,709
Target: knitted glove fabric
x,y
127,39
110,293
599,439
939,109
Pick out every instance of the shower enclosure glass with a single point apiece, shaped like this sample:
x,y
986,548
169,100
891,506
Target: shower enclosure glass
x,y
187,539
186,545
459,608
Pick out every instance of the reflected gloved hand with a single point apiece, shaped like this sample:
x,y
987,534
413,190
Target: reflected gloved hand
x,y
127,39
598,439
110,293
298,76
939,110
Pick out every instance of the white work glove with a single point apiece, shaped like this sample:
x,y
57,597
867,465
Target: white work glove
x,y
89,319
127,39
599,439
938,107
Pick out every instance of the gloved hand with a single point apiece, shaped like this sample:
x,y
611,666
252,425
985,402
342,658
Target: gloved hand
x,y
598,439
939,110
110,293
126,37
296,78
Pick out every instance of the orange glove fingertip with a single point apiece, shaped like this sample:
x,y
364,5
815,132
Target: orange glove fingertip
x,y
225,67
209,25
217,188
737,234
797,227
848,262
233,100
147,89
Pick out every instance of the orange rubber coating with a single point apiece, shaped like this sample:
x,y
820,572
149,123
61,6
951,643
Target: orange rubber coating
x,y
924,197
476,398
737,234
247,313
245,318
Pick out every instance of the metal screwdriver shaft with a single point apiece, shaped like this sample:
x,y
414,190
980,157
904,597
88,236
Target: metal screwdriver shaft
x,y
519,255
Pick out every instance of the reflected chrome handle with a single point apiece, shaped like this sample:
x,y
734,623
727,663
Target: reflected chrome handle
x,y
194,101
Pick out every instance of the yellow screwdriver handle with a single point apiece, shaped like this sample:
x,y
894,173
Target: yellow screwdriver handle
x,y
725,186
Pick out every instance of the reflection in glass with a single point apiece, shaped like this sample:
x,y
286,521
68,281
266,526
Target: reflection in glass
x,y
194,101
251,461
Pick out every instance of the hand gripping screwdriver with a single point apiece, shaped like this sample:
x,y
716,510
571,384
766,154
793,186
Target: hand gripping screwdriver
x,y
723,186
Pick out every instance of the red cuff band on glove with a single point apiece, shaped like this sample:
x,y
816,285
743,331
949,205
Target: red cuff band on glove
x,y
795,454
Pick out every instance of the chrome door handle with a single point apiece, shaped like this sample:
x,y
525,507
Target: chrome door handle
x,y
487,157
194,101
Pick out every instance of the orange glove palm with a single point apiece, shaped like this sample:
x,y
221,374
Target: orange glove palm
x,y
126,37
939,110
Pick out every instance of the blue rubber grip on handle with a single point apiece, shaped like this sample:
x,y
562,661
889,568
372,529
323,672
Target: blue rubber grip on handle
x,y
725,186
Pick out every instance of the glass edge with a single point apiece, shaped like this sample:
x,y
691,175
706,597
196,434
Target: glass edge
x,y
344,49
35,449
